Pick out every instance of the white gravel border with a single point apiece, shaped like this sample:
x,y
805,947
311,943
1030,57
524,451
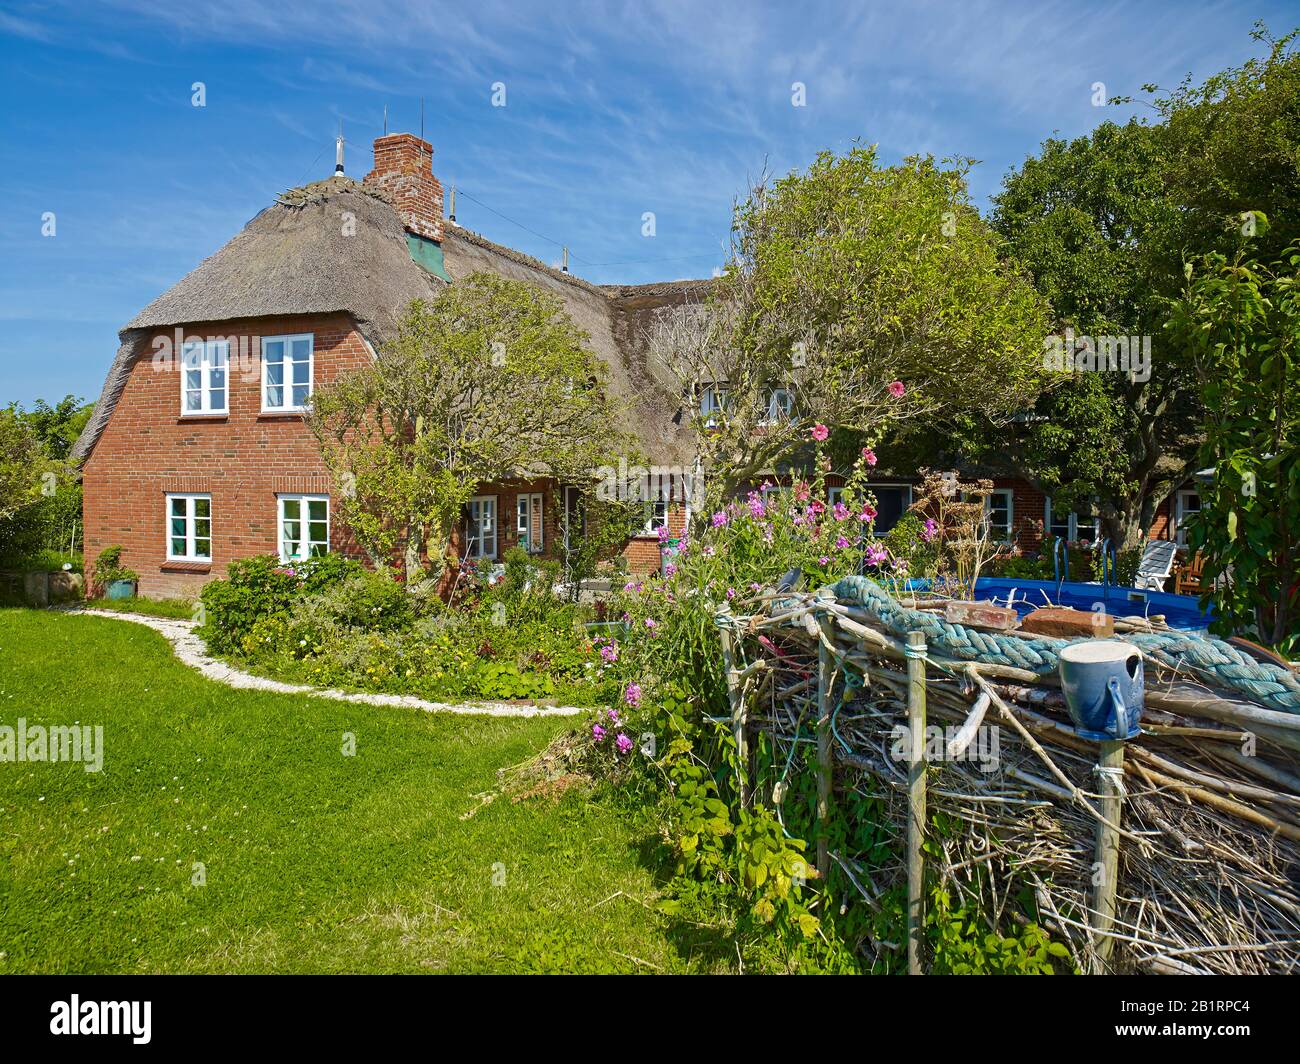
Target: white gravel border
x,y
194,653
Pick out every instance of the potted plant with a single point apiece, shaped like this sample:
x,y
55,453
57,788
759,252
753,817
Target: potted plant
x,y
117,582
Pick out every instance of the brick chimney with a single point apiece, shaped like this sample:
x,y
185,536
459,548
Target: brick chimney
x,y
404,170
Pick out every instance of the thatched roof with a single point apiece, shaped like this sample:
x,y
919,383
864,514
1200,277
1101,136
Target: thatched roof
x,y
298,257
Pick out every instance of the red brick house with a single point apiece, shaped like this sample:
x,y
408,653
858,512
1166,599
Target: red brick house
x,y
197,453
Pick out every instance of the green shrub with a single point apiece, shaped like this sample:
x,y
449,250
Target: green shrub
x,y
254,589
108,567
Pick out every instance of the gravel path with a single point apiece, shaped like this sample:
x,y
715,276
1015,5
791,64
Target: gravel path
x,y
194,653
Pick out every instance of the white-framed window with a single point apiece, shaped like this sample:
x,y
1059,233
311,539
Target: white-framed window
x,y
189,528
780,405
203,377
528,526
481,527
833,495
304,522
287,372
713,403
656,517
1187,501
999,514
1069,525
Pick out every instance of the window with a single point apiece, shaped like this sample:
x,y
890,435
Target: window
x,y
481,527
304,526
780,405
286,372
203,376
529,524
713,402
999,514
1069,525
1186,503
656,517
833,496
189,528
574,525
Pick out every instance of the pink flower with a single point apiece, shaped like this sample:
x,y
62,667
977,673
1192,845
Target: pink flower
x,y
756,508
609,653
817,508
869,456
663,533
841,511
868,513
841,542
820,432
823,560
670,569
876,554
612,714
623,743
719,519
651,624
929,530
598,733
896,389
731,593
632,696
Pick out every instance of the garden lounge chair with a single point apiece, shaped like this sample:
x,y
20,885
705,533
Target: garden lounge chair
x,y
1156,564
1187,579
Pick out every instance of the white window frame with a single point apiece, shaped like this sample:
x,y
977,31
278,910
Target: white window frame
x,y
777,412
713,401
474,547
1010,494
304,525
528,509
1181,511
655,520
1072,523
286,384
833,495
191,526
213,355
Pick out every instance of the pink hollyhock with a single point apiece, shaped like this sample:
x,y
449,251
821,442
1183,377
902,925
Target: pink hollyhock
x,y
841,511
868,513
817,507
820,432
869,456
896,389
841,542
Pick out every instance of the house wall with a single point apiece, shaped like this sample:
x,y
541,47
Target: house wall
x,y
242,459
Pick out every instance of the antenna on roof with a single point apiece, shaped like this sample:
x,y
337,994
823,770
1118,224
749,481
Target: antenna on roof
x,y
451,216
564,262
338,151
422,118
385,119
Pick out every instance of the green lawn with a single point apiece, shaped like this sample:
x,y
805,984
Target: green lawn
x,y
314,862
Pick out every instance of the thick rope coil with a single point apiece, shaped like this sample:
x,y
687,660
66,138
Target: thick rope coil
x,y
1211,660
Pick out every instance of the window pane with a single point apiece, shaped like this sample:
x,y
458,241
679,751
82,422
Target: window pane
x,y
316,509
178,546
203,548
274,397
300,392
202,507
216,377
178,507
291,510
274,351
275,374
317,532
301,372
203,528
301,350
217,399
317,549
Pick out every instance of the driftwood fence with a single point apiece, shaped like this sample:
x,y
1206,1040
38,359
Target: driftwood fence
x,y
1176,852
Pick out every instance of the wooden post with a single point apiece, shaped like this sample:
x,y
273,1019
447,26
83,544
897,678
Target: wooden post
x,y
825,667
1110,785
737,712
915,651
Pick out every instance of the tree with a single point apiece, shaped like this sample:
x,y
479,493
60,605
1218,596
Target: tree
x,y
857,296
488,381
1091,221
56,427
1241,322
21,465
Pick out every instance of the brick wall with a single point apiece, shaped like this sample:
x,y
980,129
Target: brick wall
x,y
242,459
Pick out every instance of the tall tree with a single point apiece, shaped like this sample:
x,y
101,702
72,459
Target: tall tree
x,y
858,296
489,381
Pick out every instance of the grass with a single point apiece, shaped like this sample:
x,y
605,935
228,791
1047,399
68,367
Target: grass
x,y
386,861
173,608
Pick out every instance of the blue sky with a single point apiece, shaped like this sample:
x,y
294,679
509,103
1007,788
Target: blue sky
x,y
611,110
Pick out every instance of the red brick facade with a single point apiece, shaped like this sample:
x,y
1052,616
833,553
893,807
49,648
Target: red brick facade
x,y
243,458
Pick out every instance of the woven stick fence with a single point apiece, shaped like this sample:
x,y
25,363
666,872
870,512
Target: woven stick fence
x,y
1177,852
